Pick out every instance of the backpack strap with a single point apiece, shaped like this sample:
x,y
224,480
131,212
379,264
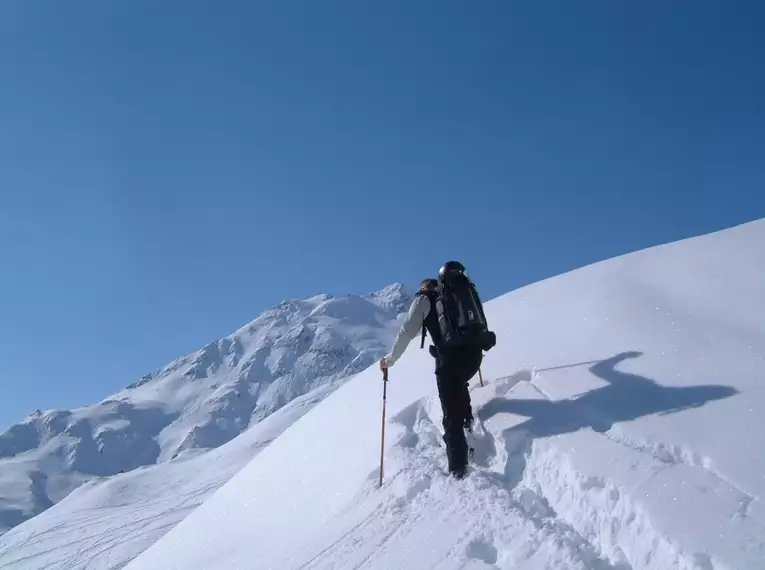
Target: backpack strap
x,y
430,297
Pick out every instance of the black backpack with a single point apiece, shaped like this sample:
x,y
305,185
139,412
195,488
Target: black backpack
x,y
457,318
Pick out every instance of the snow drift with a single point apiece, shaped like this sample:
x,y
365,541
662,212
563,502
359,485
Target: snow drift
x,y
620,427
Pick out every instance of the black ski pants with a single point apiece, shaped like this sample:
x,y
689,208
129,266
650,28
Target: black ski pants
x,y
454,369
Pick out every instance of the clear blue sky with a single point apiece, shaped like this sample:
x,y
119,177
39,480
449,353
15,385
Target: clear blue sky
x,y
170,169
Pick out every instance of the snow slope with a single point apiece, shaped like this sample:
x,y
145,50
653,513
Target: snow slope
x,y
621,427
108,521
197,402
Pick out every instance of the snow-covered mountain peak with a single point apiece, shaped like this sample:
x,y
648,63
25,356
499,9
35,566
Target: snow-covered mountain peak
x,y
196,402
395,292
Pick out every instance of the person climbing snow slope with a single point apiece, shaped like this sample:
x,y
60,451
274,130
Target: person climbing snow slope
x,y
450,311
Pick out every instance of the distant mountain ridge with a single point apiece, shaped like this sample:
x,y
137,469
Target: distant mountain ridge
x,y
197,402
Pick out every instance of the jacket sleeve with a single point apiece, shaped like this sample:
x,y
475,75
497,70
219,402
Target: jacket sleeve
x,y
411,327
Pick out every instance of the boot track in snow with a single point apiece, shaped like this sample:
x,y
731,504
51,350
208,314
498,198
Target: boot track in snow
x,y
507,480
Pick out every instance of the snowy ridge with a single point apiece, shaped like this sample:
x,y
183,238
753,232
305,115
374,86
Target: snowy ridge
x,y
198,402
620,428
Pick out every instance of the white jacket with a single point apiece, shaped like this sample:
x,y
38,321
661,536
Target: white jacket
x,y
411,327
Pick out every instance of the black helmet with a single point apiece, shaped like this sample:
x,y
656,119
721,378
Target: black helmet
x,y
450,269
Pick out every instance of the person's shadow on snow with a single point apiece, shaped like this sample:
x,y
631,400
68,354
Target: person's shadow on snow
x,y
626,397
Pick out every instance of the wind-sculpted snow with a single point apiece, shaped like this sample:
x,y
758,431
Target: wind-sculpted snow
x,y
197,402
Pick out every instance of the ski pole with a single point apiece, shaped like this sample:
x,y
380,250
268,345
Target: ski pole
x,y
480,376
382,443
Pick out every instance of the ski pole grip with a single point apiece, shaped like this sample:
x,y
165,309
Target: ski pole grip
x,y
385,374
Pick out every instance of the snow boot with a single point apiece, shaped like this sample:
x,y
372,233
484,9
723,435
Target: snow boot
x,y
470,439
459,472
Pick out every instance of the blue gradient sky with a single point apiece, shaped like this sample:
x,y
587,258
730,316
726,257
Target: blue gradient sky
x,y
169,171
